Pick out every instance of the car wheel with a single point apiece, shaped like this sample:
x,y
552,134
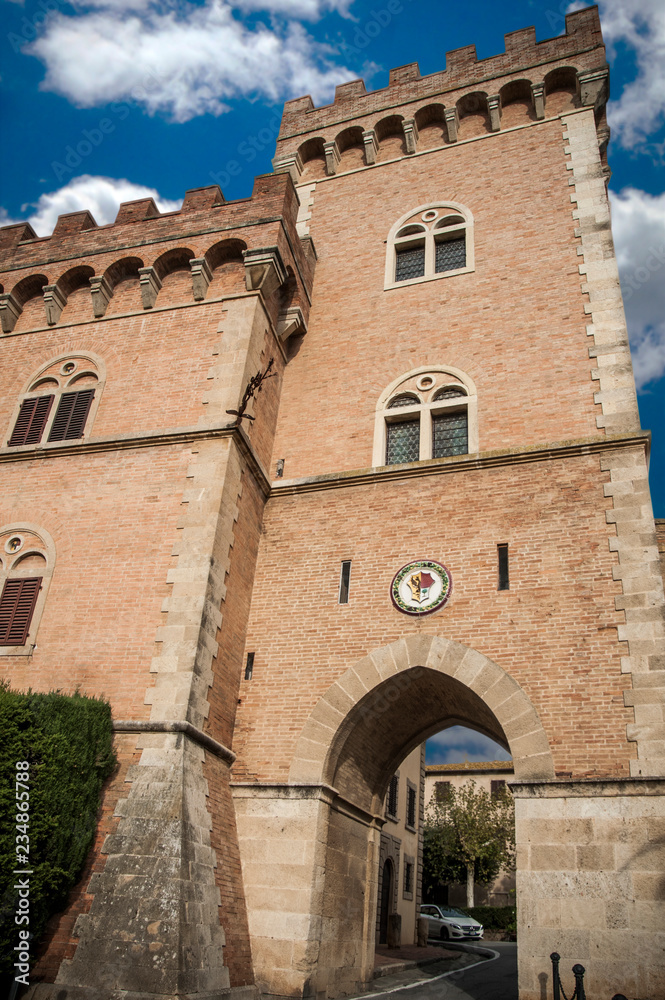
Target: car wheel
x,y
445,933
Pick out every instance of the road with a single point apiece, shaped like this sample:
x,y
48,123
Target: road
x,y
488,979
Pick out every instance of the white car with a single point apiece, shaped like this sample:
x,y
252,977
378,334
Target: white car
x,y
447,922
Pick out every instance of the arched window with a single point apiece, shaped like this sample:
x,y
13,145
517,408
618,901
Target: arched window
x,y
27,558
59,402
432,241
427,413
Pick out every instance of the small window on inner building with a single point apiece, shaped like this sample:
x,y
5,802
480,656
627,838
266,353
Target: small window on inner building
x,y
408,877
497,786
391,807
411,807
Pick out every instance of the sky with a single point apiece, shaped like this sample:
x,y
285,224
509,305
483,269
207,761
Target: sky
x,y
104,101
457,744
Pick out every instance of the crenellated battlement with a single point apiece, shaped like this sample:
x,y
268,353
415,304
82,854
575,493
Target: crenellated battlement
x,y
270,196
582,42
255,238
527,73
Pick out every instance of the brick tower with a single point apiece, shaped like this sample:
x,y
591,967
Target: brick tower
x,y
439,515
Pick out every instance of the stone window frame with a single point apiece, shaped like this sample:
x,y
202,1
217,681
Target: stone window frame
x,y
411,787
385,415
9,570
408,862
96,367
427,236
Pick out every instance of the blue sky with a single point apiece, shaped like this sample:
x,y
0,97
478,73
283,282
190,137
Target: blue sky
x,y
103,99
457,744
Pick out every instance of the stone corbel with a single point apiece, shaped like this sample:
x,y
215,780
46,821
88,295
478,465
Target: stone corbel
x,y
10,311
538,98
54,303
452,123
371,146
290,322
264,270
291,164
102,293
201,277
410,134
593,86
332,157
150,284
494,108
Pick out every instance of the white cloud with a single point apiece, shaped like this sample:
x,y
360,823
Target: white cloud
x,y
183,62
309,10
101,196
639,24
638,225
6,219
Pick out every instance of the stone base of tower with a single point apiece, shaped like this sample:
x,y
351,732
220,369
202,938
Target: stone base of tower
x,y
51,991
591,885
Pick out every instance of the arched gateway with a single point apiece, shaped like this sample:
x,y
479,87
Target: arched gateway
x,y
331,809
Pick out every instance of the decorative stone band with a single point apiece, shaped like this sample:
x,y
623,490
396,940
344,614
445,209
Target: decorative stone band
x,y
443,466
558,788
188,730
307,790
159,439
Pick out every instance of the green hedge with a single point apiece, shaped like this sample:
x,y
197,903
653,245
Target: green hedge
x,y
67,741
493,918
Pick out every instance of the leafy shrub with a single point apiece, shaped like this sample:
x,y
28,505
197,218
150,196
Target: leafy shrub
x,y
493,918
67,741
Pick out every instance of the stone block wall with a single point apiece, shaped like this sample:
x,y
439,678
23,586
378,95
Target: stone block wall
x,y
591,857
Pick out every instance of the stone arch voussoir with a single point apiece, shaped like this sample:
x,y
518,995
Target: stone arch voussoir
x,y
336,713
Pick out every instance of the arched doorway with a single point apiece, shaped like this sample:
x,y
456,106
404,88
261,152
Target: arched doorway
x,y
379,710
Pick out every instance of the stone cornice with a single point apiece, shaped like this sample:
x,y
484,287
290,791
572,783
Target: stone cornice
x,y
306,790
192,733
331,481
460,463
556,788
156,439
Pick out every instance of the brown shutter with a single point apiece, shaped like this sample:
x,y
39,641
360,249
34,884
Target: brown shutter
x,y
71,415
31,420
16,607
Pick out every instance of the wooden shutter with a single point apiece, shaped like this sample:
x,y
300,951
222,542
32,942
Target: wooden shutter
x,y
31,420
16,607
71,415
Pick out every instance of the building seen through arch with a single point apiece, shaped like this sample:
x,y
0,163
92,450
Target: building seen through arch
x,y
438,515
